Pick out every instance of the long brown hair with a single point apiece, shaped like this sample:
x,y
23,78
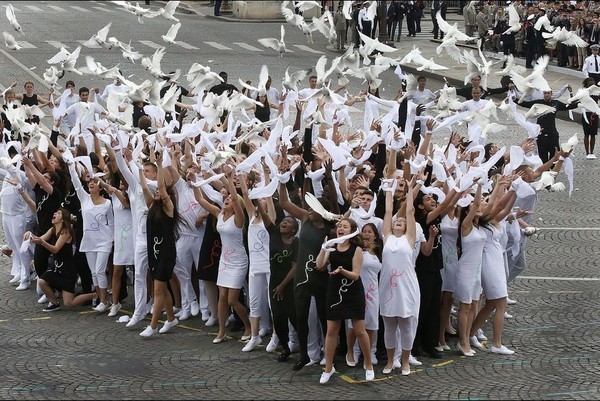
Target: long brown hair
x,y
67,224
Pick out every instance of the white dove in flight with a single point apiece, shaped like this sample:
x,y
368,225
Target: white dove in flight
x,y
128,52
10,41
261,88
275,44
12,19
99,38
514,22
538,110
562,35
169,10
290,82
171,33
306,5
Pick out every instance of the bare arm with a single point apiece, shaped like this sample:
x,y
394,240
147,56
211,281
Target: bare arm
x,y
209,207
289,206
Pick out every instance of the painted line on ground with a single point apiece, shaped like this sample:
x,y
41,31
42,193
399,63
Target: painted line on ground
x,y
559,278
28,71
38,318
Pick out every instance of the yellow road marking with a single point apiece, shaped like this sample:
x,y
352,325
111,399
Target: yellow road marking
x,y
437,365
39,318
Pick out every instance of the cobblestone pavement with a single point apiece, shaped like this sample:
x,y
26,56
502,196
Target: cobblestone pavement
x,y
78,354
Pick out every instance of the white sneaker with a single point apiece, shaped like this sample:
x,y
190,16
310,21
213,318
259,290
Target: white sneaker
x,y
253,343
149,331
15,279
510,301
411,360
369,375
323,362
326,376
114,309
374,360
591,156
263,331
101,308
211,321
43,299
397,364
502,350
475,342
507,315
168,326
194,308
480,335
133,321
230,320
205,315
22,286
184,315
273,344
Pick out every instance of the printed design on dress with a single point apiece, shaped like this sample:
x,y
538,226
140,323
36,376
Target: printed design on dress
x,y
215,252
57,266
280,256
311,263
344,288
225,257
369,294
190,206
394,283
98,221
123,237
451,254
154,246
263,237
44,198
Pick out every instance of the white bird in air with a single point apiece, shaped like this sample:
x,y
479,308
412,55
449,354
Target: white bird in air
x,y
586,102
430,65
275,44
153,64
371,45
128,52
67,59
324,24
451,31
12,19
93,67
99,38
171,33
10,41
51,76
306,5
514,22
413,56
370,74
543,21
449,46
290,82
169,10
142,13
567,38
261,88
546,181
511,65
538,110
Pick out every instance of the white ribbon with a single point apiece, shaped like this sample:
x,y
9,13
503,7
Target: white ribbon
x,y
329,245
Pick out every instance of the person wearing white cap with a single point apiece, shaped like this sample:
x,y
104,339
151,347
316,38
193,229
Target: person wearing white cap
x,y
530,40
591,65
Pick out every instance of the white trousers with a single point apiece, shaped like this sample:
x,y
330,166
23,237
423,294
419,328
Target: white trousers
x,y
188,254
400,333
258,295
97,262
140,285
14,228
315,334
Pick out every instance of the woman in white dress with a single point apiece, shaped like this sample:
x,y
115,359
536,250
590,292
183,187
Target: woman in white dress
x,y
449,229
369,274
123,234
98,227
233,264
493,275
398,285
260,263
468,279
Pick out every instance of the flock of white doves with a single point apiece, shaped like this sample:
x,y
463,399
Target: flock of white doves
x,y
214,144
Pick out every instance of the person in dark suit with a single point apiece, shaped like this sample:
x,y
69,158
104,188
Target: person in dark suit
x,y
411,11
530,40
436,6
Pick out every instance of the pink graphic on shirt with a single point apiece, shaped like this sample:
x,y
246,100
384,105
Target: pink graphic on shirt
x,y
394,283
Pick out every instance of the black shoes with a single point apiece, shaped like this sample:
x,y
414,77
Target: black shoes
x,y
51,307
284,356
299,365
432,352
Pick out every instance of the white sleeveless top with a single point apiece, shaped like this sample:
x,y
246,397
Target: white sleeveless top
x,y
258,246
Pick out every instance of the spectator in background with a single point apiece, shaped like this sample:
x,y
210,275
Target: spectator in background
x,y
391,19
470,16
339,22
419,14
438,5
400,13
365,21
411,11
482,26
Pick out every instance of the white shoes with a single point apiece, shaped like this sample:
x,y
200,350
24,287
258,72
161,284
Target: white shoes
x,y
15,279
273,344
442,348
475,342
43,299
263,331
323,362
325,376
211,321
184,315
149,331
101,308
591,156
114,309
22,286
462,351
502,350
168,326
205,315
510,301
507,315
253,343
406,372
369,375
133,321
411,360
480,335
194,308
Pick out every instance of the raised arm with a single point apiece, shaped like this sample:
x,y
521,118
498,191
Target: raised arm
x,y
35,177
167,203
411,225
467,223
209,207
387,217
238,209
247,201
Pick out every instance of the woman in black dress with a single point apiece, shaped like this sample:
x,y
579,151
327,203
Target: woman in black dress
x,y
58,241
345,294
161,234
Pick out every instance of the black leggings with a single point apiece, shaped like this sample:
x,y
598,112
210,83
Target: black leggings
x,y
40,259
430,284
303,298
283,310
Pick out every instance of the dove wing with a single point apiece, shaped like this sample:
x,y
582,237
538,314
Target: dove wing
x,y
172,33
103,33
170,8
574,40
271,43
59,57
10,13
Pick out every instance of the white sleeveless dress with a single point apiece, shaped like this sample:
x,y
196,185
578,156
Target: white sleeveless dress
x,y
493,276
449,228
233,264
258,246
399,293
369,275
123,233
468,279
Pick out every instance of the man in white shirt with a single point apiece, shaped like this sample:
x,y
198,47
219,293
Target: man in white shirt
x,y
475,105
591,65
117,87
69,97
365,21
85,114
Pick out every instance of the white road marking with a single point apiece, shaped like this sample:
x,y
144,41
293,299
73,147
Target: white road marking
x,y
35,8
151,44
185,45
106,10
559,278
83,10
308,49
89,45
26,45
57,44
14,8
247,46
218,46
57,8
